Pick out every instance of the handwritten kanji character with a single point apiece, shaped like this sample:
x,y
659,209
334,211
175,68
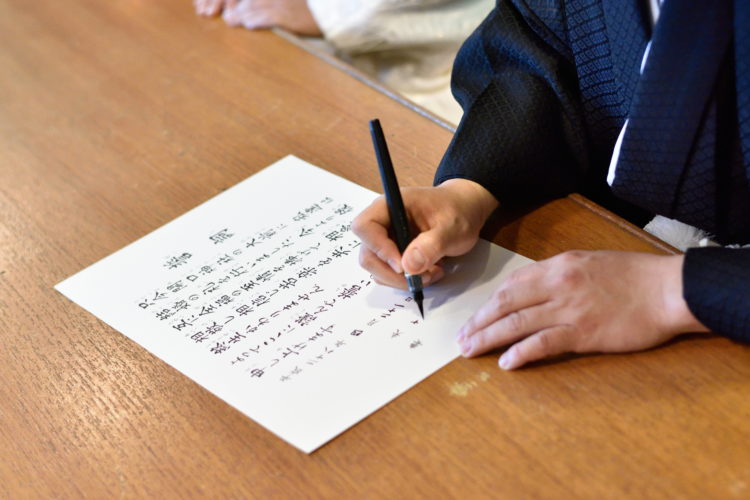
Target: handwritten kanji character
x,y
264,276
199,337
180,305
306,272
235,337
224,259
223,300
288,283
260,300
176,286
214,328
221,236
305,319
164,314
207,309
340,252
219,348
243,310
343,209
349,292
334,235
238,271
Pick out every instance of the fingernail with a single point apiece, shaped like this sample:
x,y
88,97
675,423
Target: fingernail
x,y
395,266
506,360
460,337
465,347
416,259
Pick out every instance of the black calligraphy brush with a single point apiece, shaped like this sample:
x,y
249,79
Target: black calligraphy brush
x,y
399,221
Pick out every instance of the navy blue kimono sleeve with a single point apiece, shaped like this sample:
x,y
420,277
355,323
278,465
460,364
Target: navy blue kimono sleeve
x,y
716,287
522,133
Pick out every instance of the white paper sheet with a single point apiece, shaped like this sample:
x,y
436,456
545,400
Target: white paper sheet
x,y
257,296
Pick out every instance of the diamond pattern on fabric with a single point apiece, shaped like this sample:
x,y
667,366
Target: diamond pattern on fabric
x,y
716,289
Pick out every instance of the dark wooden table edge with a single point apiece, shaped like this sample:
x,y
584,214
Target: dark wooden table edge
x,y
622,223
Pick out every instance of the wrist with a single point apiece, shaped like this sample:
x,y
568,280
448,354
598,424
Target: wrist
x,y
677,315
474,195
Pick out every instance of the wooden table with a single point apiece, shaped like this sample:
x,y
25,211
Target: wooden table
x,y
116,117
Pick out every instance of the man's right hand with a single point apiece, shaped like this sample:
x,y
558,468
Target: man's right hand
x,y
447,220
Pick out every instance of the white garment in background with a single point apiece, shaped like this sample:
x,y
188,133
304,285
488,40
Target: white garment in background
x,y
408,45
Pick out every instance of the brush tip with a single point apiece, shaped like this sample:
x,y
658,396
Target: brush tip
x,y
419,299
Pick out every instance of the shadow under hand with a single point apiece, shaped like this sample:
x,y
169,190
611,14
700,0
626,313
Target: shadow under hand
x,y
478,266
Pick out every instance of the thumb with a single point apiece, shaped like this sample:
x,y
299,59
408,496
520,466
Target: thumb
x,y
424,251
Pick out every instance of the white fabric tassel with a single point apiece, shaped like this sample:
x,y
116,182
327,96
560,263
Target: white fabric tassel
x,y
678,234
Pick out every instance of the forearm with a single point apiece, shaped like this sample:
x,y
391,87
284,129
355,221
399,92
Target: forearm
x,y
478,201
677,316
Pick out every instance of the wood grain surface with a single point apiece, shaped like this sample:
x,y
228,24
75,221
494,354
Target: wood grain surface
x,y
118,116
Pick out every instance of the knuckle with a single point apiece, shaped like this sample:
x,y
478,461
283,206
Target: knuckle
x,y
576,339
366,258
502,299
545,343
359,224
380,253
471,324
479,341
570,258
516,322
514,277
570,277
